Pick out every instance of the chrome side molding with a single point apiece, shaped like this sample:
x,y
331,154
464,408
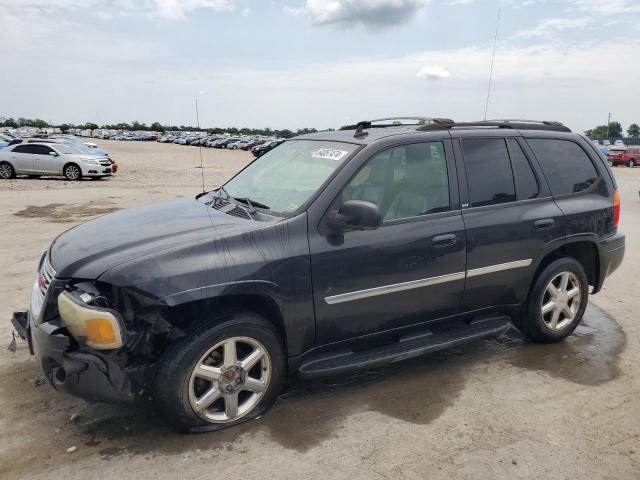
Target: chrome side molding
x,y
498,268
397,287
425,282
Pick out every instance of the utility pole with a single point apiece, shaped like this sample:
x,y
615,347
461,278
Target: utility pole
x,y
608,124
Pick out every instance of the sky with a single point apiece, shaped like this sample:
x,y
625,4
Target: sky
x,y
318,63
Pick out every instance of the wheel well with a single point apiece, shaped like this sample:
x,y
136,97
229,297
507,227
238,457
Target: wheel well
x,y
184,315
584,252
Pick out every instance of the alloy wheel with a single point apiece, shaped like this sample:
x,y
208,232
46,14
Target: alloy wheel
x,y
631,164
72,172
561,301
229,380
6,171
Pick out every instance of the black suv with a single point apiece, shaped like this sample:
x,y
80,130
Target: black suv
x,y
334,251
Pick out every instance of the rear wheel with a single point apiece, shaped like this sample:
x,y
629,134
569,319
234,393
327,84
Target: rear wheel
x,y
72,172
631,163
7,171
220,376
610,163
556,302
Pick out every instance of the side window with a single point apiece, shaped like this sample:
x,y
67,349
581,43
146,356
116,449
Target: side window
x,y
526,182
406,181
41,149
488,171
565,164
23,148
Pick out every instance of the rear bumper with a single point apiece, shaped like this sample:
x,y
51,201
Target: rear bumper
x,y
611,253
85,374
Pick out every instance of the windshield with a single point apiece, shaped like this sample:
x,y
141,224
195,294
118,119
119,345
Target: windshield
x,y
287,176
66,148
75,147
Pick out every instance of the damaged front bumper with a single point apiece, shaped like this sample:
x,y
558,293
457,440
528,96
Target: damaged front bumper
x,y
85,374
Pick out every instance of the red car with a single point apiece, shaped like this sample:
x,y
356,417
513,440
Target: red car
x,y
629,156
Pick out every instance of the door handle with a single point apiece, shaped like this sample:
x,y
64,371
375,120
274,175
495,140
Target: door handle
x,y
544,224
445,240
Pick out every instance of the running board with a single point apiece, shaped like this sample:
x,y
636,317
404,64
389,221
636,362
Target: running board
x,y
408,346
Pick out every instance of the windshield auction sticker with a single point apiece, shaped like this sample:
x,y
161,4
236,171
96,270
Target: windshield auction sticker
x,y
329,154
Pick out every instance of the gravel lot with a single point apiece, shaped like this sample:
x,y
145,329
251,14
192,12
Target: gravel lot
x,y
494,409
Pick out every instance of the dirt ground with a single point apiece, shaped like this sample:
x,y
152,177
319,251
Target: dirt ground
x,y
499,408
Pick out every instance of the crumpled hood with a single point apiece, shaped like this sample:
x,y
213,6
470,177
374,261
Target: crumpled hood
x,y
90,249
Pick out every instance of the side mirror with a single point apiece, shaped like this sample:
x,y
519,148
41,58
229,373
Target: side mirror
x,y
355,215
53,154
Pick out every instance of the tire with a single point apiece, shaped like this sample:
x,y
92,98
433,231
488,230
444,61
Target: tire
x,y
539,327
7,171
72,172
631,164
177,389
610,163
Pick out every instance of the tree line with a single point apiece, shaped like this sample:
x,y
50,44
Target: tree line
x,y
613,130
156,127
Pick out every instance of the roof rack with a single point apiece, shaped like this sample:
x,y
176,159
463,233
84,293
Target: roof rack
x,y
395,122
501,123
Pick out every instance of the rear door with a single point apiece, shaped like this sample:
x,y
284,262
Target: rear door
x,y
22,158
509,217
409,270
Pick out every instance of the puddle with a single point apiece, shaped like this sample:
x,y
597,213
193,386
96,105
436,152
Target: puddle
x,y
63,213
589,356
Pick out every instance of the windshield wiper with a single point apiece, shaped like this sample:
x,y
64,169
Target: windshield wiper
x,y
252,203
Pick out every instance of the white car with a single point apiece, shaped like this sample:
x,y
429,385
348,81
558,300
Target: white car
x,y
37,159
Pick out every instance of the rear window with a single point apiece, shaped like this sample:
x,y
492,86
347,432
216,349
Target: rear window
x,y
566,165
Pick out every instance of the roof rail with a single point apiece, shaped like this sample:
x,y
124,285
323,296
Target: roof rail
x,y
501,123
395,122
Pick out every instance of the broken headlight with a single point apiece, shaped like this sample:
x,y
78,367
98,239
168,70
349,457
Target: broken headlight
x,y
96,326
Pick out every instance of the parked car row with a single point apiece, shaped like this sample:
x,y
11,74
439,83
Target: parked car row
x,y
257,145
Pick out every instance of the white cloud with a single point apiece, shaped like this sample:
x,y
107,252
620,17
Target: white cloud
x,y
548,27
294,11
371,14
166,9
433,72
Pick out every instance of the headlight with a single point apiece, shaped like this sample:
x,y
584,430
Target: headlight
x,y
100,328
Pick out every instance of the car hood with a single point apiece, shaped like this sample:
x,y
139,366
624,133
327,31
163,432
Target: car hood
x,y
90,249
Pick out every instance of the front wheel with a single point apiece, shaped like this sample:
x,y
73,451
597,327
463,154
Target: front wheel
x,y
72,172
7,171
556,302
631,163
220,376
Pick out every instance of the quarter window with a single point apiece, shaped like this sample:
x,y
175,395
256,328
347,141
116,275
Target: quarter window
x,y
406,181
488,171
565,164
526,183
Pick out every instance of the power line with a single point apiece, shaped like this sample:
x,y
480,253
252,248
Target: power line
x,y
493,56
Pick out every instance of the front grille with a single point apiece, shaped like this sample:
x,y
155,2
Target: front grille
x,y
105,163
41,284
48,273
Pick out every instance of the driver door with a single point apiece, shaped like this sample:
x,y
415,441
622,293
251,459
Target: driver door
x,y
409,270
44,162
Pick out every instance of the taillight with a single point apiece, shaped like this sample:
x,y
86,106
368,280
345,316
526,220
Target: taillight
x,y
616,208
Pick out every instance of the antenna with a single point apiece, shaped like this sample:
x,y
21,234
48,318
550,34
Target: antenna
x,y
200,147
493,56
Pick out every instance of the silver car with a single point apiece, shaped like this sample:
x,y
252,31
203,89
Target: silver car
x,y
37,159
